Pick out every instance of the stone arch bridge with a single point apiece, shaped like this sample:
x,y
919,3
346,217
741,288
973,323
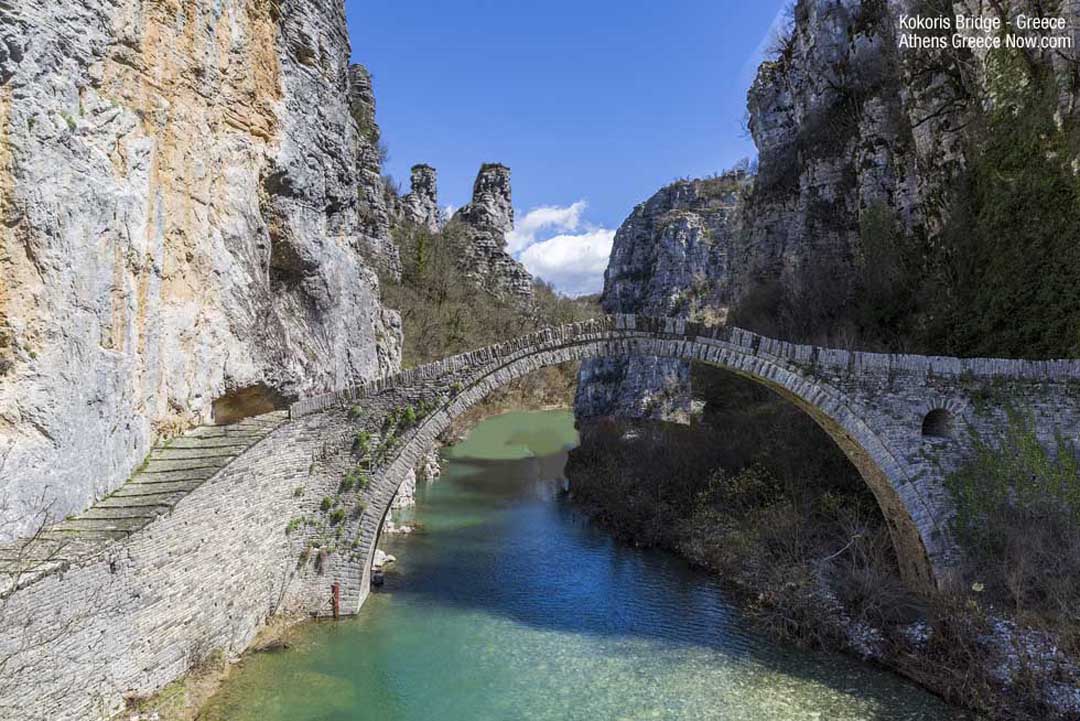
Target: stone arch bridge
x,y
290,520
904,421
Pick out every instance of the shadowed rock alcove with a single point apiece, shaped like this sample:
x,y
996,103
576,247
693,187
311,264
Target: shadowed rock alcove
x,y
246,402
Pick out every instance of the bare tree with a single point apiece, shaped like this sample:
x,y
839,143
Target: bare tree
x,y
781,43
22,563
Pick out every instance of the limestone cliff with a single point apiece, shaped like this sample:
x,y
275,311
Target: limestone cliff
x,y
850,127
671,257
376,208
484,223
828,119
182,229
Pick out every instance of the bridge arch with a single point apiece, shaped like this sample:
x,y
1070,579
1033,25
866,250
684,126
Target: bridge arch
x,y
801,374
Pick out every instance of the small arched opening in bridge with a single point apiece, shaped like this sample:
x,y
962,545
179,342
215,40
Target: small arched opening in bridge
x,y
909,512
938,423
246,402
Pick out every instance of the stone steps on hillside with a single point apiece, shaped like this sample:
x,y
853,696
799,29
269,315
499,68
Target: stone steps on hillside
x,y
171,471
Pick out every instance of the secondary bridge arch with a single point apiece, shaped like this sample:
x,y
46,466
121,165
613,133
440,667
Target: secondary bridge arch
x,y
874,406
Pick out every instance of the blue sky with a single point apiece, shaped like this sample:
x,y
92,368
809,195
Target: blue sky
x,y
593,105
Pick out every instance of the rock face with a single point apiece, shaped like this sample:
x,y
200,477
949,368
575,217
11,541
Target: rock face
x,y
830,118
182,235
847,124
421,205
427,471
671,258
846,121
375,207
484,223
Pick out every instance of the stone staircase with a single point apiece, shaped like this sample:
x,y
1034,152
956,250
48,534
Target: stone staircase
x,y
171,471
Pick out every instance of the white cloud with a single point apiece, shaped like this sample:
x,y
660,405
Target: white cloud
x,y
548,217
557,245
574,264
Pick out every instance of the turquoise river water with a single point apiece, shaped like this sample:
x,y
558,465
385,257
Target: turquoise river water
x,y
508,605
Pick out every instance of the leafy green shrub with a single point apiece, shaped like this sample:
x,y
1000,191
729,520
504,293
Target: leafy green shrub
x,y
293,525
408,417
337,516
390,423
298,491
327,503
361,442
356,478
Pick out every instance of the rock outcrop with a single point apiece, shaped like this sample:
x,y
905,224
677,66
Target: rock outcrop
x,y
421,205
181,230
832,123
671,258
483,225
376,209
847,120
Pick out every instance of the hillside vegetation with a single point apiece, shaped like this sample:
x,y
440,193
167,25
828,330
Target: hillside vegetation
x,y
444,314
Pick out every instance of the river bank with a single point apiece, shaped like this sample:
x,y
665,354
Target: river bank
x,y
812,564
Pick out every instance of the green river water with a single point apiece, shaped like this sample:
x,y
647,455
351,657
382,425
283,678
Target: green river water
x,y
507,605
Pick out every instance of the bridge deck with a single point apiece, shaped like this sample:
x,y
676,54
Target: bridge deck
x,y
172,470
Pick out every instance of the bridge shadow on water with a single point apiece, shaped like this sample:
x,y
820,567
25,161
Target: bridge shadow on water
x,y
499,539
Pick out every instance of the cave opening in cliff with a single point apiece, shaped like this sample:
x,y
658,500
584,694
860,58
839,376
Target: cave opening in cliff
x,y
246,402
